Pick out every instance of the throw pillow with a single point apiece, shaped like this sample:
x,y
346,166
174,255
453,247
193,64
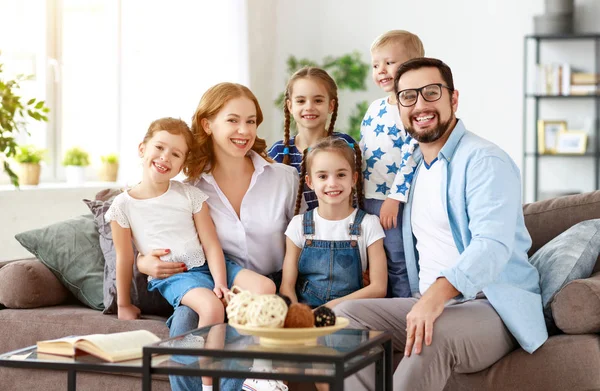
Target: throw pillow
x,y
569,256
30,284
576,307
71,250
150,303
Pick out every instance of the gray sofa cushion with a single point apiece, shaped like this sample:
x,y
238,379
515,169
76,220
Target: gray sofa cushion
x,y
569,256
71,250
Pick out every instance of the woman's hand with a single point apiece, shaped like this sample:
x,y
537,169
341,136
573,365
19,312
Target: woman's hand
x,y
152,265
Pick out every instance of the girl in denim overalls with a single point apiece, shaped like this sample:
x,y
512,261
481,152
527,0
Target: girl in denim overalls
x,y
329,248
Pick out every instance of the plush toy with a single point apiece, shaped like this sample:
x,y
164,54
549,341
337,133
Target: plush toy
x,y
324,316
299,315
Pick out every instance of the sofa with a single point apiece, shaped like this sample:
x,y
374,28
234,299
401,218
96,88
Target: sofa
x,y
566,361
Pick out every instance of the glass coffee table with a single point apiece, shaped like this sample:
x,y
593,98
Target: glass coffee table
x,y
219,351
29,358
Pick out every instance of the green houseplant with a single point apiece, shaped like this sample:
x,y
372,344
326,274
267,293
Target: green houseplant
x,y
75,160
109,169
29,158
15,111
349,72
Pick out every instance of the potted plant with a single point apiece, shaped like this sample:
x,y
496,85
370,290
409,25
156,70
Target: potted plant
x,y
29,158
14,113
110,167
75,160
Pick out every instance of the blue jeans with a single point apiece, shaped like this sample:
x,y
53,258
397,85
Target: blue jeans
x,y
398,285
185,319
175,287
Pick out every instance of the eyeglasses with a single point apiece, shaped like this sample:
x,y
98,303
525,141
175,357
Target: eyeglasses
x,y
430,92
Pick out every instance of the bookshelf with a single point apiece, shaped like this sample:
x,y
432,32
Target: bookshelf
x,y
543,92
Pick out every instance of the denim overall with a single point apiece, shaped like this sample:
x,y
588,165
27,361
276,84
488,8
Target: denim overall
x,y
328,269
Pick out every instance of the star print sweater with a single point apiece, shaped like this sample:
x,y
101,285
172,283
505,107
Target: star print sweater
x,y
388,164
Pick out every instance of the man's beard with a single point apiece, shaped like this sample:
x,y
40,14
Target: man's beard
x,y
431,135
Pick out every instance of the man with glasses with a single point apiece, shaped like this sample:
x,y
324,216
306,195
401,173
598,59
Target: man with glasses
x,y
475,295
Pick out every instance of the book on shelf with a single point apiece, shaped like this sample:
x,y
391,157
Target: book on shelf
x,y
553,79
584,89
584,78
113,347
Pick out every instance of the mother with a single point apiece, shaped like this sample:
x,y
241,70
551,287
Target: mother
x,y
251,198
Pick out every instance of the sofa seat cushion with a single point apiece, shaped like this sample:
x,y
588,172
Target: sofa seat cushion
x,y
30,284
24,327
563,362
569,256
576,308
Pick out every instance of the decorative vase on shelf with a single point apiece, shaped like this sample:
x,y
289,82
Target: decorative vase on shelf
x,y
29,173
109,169
29,158
75,175
75,160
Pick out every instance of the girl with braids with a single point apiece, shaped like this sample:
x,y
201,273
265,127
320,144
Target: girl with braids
x,y
310,96
329,248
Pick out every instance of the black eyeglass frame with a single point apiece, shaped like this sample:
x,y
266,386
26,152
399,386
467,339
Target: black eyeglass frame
x,y
419,91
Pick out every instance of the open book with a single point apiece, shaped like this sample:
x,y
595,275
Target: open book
x,y
110,347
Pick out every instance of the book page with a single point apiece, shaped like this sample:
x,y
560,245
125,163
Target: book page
x,y
62,346
117,346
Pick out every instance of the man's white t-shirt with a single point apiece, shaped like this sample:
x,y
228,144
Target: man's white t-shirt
x,y
165,221
371,231
431,227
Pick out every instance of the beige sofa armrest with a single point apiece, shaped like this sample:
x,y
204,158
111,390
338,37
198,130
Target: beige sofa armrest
x,y
576,307
29,284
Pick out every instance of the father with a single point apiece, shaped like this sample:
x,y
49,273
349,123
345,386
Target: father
x,y
475,296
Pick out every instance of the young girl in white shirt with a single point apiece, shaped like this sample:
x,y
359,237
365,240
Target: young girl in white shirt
x,y
329,248
163,213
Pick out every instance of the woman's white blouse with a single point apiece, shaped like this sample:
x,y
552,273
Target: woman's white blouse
x,y
256,239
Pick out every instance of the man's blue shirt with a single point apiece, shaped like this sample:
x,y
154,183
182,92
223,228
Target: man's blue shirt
x,y
481,191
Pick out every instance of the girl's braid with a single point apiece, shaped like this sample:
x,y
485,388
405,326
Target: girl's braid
x,y
302,181
286,133
333,118
360,195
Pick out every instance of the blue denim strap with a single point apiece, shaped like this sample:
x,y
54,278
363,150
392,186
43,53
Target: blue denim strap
x,y
355,225
308,223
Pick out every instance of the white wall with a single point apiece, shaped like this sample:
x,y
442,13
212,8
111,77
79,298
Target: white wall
x,y
481,40
36,207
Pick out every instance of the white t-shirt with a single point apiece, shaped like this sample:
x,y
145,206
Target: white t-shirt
x,y
165,221
255,239
431,227
371,231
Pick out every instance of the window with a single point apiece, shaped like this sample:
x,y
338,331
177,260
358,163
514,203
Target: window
x,y
109,68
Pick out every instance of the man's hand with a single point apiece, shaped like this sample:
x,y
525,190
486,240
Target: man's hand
x,y
388,214
420,319
128,312
419,323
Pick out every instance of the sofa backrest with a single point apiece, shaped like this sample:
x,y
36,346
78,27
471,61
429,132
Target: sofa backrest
x,y
547,219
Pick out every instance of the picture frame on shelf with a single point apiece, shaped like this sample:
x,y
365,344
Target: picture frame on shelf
x,y
548,132
571,142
